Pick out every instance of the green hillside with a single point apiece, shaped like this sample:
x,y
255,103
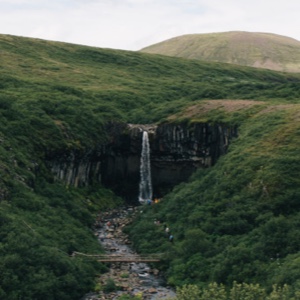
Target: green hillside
x,y
239,220
57,97
254,49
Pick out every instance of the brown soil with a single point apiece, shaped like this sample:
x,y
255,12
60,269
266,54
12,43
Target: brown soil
x,y
209,105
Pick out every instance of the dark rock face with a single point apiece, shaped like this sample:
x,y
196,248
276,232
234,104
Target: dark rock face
x,y
76,168
176,152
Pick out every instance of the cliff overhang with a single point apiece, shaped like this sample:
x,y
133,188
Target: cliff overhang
x,y
177,150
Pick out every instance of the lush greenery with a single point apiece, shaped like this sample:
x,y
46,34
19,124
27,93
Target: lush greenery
x,y
83,86
56,98
39,233
238,291
239,220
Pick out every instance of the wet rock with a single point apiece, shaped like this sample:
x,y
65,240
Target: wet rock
x,y
155,272
131,278
152,291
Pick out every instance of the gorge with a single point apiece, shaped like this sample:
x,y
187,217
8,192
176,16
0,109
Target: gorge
x,y
72,120
177,150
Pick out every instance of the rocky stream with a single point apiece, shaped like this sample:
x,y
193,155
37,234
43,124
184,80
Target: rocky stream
x,y
131,278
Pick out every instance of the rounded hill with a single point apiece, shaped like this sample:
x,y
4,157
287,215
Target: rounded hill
x,y
254,49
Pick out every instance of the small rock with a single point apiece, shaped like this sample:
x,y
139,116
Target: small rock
x,y
155,271
152,291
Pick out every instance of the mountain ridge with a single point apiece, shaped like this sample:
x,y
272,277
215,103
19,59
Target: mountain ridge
x,y
59,104
254,49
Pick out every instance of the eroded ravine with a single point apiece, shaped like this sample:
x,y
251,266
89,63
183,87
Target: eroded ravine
x,y
131,278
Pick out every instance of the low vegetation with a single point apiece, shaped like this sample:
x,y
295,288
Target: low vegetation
x,y
57,97
238,291
236,221
254,49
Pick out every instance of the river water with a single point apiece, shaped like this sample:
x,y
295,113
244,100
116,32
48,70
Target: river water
x,y
134,278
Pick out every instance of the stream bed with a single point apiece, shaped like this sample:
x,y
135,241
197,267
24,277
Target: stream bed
x,y
132,278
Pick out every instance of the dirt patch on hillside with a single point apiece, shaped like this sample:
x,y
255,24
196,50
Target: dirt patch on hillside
x,y
293,109
204,107
277,107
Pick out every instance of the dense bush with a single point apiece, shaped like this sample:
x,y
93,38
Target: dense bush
x,y
57,97
239,220
238,291
39,233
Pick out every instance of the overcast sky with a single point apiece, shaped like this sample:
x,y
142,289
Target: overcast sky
x,y
134,24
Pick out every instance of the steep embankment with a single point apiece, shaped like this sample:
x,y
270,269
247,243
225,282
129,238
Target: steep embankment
x,y
57,100
239,220
254,49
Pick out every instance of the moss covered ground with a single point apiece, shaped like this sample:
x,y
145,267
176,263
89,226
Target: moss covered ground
x,y
57,96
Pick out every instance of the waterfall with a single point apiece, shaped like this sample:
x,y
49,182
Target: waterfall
x,y
145,192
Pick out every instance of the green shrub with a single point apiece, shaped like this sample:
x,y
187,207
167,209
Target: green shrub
x,y
110,286
239,291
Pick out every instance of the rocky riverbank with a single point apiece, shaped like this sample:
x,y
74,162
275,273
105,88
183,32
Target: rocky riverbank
x,y
125,278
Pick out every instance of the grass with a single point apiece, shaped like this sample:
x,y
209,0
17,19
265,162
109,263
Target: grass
x,y
57,79
231,220
56,99
261,50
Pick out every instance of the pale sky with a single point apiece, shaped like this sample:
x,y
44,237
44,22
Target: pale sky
x,y
134,24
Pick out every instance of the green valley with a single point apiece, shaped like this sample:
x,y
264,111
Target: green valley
x,y
235,221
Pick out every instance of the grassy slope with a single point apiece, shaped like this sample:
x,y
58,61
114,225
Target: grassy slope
x,y
262,50
239,220
56,96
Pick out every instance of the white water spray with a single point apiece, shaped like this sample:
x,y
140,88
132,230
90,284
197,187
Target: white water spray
x,y
145,192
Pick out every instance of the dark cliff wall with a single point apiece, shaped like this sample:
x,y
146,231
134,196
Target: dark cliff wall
x,y
176,152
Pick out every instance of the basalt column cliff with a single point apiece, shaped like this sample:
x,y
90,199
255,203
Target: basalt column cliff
x,y
177,150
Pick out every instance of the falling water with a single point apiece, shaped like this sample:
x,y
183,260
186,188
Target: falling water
x,y
145,171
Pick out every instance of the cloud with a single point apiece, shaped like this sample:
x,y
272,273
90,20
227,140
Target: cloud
x,y
133,24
